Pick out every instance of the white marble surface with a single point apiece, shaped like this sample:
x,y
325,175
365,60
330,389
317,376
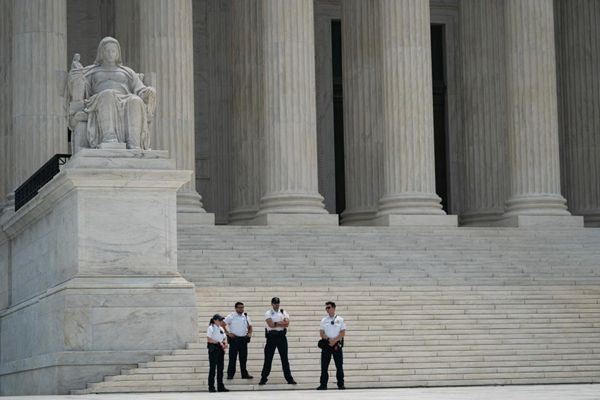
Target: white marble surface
x,y
94,267
39,51
532,120
290,145
537,392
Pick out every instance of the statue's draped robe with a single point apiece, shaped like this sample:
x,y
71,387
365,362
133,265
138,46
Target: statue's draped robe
x,y
116,111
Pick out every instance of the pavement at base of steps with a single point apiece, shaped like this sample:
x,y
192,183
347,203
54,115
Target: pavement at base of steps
x,y
525,392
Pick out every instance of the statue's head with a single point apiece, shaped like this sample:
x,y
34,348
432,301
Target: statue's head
x,y
109,52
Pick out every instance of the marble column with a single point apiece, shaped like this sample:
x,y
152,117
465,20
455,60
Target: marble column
x,y
363,145
407,103
166,53
247,109
6,84
483,89
532,116
39,60
127,26
290,149
578,46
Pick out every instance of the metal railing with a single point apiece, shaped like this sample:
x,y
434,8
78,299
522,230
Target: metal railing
x,y
31,187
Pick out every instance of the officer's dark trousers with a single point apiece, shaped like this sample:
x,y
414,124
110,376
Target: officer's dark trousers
x,y
216,361
338,358
238,346
276,340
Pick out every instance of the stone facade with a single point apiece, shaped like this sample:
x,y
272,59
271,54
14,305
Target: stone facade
x,y
215,76
275,126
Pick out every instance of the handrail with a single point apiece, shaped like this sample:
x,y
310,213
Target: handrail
x,y
30,188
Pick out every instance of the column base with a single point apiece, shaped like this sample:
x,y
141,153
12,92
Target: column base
x,y
292,203
415,220
358,217
242,216
410,204
591,222
541,221
190,210
296,219
550,204
591,218
481,218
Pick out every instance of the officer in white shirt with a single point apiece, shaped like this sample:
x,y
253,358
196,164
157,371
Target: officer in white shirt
x,y
216,344
333,330
277,322
239,331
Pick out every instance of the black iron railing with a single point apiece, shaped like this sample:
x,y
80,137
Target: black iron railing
x,y
30,188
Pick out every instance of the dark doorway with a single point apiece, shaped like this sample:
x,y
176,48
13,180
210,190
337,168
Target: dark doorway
x,y
439,113
338,116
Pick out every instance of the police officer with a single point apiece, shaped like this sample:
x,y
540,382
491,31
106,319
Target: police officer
x,y
277,322
216,344
239,331
333,330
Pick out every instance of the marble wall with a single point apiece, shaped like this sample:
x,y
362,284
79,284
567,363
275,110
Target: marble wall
x,y
91,262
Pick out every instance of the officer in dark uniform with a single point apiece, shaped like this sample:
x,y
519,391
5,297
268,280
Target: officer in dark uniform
x,y
277,322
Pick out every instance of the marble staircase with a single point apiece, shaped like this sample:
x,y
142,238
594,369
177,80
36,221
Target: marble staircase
x,y
424,307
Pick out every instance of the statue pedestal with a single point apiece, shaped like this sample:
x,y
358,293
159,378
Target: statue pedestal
x,y
93,273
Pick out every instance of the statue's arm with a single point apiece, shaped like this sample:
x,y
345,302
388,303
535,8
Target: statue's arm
x,y
146,93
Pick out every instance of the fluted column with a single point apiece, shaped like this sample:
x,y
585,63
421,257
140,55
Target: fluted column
x,y
39,60
532,111
363,144
407,104
166,52
290,152
483,84
578,36
247,109
127,26
6,132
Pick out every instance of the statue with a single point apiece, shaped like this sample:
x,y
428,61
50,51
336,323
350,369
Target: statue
x,y
109,105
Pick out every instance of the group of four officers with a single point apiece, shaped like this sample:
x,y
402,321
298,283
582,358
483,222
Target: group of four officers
x,y
235,332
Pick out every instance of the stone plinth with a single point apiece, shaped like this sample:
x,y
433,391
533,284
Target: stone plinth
x,y
93,273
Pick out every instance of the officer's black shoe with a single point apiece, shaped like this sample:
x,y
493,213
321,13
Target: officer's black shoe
x,y
292,382
247,377
341,387
229,378
262,382
223,389
322,387
212,390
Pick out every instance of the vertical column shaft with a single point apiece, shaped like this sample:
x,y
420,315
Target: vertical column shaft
x,y
363,145
290,168
127,26
532,109
409,168
578,36
483,81
6,84
39,60
247,109
166,51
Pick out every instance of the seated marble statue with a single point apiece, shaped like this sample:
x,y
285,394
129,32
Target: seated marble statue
x,y
108,102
